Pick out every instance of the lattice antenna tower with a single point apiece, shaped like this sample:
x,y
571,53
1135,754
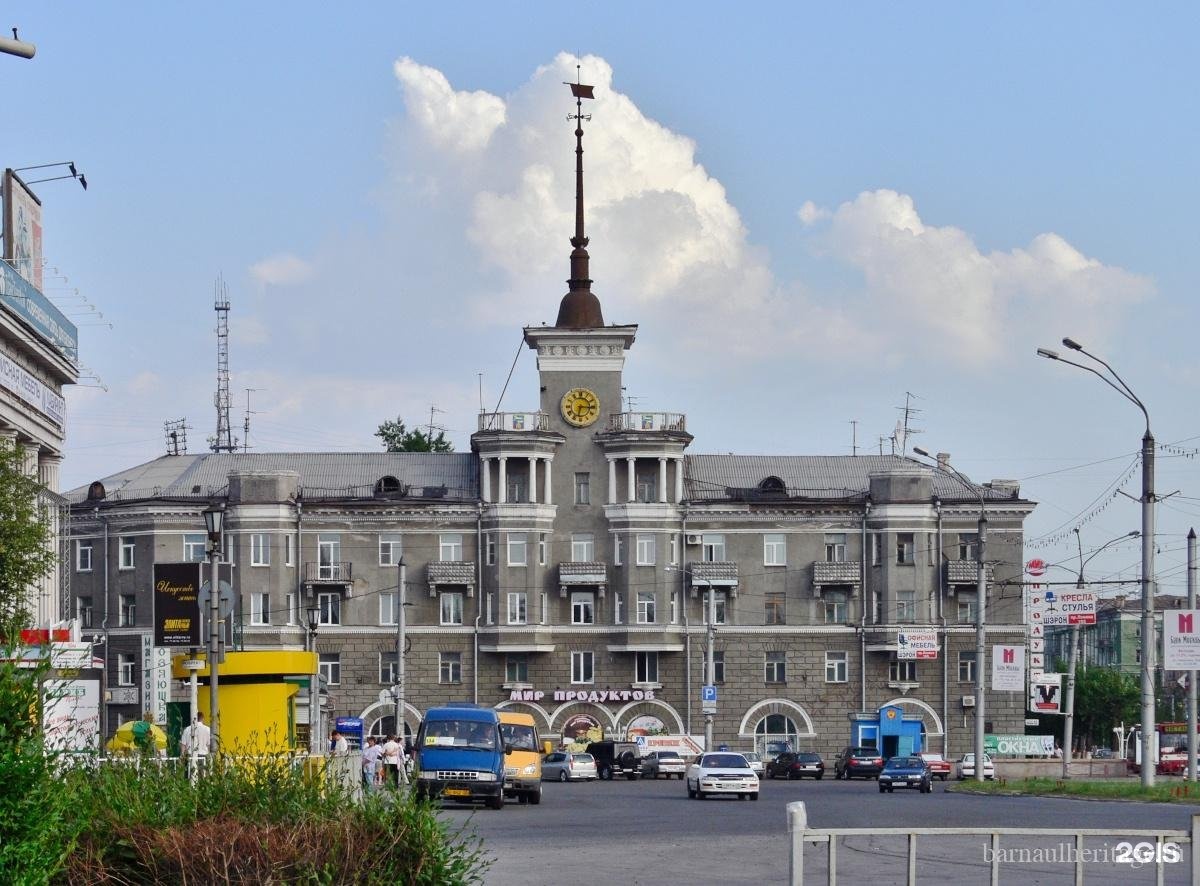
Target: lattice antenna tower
x,y
904,428
176,436
223,441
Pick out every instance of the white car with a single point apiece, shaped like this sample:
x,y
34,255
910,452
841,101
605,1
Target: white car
x,y
966,767
723,772
756,763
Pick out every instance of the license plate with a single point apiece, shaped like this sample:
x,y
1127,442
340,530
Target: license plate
x,y
456,792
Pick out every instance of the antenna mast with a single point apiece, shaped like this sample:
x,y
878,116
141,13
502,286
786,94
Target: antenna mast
x,y
176,436
903,429
246,421
223,440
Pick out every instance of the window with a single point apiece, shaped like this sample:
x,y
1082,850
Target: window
x,y
518,488
712,548
902,671
966,666
450,546
718,674
775,667
582,611
545,608
646,489
581,667
876,548
516,549
774,549
931,545
905,548
837,605
645,608
452,608
906,606
126,668
389,548
126,558
260,609
583,547
387,608
775,613
618,608
260,549
289,550
966,545
83,556
329,554
449,667
674,596
290,605
674,549
330,667
194,547
226,554
618,551
835,547
127,614
516,667
387,669
489,548
968,607
718,603
330,605
487,608
645,549
645,667
541,549
83,611
583,489
835,667
517,608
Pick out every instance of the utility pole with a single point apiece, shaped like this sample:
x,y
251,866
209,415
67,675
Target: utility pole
x,y
1191,677
401,640
710,664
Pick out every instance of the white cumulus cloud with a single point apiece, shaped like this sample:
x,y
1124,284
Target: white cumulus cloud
x,y
284,269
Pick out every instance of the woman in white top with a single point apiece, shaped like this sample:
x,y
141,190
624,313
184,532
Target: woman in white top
x,y
391,760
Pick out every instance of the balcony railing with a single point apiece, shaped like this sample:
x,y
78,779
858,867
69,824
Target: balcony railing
x,y
647,421
719,574
513,421
327,573
845,572
962,572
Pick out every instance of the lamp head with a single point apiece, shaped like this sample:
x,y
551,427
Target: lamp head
x,y
214,517
1047,353
314,617
919,451
1072,344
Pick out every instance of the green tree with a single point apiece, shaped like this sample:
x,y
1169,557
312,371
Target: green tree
x,y
25,551
397,438
1104,697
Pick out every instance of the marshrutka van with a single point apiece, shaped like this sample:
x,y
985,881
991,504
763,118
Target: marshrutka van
x,y
523,768
461,755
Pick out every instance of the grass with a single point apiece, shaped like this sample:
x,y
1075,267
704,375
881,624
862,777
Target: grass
x,y
1173,791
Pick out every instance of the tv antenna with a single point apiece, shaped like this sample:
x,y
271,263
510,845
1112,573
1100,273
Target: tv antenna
x,y
223,440
246,421
176,436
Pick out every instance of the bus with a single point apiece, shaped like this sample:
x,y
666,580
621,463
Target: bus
x,y
1170,749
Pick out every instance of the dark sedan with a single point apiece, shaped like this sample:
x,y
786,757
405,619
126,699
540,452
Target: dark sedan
x,y
853,761
906,772
796,765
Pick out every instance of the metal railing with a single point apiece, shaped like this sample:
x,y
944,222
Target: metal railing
x,y
1156,843
513,421
647,421
335,573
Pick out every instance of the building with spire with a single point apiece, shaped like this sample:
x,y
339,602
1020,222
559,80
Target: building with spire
x,y
581,563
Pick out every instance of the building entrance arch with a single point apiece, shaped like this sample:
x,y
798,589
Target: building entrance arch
x,y
379,720
776,725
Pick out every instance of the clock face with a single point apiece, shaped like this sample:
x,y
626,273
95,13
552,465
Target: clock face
x,y
580,407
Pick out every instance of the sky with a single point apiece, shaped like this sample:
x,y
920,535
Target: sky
x,y
814,213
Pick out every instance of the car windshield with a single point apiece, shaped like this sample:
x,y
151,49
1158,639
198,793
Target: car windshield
x,y
905,763
752,757
583,758
522,738
460,734
809,758
724,761
932,758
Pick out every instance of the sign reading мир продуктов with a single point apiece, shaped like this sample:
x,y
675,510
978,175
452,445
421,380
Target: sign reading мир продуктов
x,y
176,605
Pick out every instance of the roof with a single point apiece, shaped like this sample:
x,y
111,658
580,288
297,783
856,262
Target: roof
x,y
817,476
322,474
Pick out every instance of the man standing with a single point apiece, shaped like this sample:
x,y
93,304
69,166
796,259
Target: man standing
x,y
391,760
195,742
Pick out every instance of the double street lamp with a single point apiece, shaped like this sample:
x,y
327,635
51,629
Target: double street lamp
x,y
980,604
214,520
313,611
1114,381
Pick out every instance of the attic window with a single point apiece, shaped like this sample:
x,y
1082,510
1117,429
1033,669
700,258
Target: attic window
x,y
772,486
196,489
96,491
388,485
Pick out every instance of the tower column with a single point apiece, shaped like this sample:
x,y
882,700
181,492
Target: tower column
x,y
485,477
549,462
662,480
679,480
612,481
533,479
630,475
502,481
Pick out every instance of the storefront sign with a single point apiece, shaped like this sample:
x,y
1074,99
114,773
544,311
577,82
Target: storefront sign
x,y
1053,609
1181,640
916,644
579,731
71,719
1019,745
1008,668
601,696
176,606
1045,694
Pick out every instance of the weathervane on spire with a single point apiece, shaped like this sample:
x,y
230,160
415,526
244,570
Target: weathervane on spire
x,y
580,309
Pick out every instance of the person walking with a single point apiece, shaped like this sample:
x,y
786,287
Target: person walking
x,y
391,760
370,763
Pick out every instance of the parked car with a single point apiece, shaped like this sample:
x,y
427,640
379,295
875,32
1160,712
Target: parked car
x,y
966,767
756,762
775,748
667,763
939,766
852,761
723,772
1102,754
615,758
906,772
564,766
796,765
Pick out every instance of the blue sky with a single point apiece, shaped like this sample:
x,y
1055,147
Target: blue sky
x,y
809,210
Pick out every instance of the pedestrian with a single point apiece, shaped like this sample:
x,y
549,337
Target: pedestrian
x,y
195,743
370,762
338,743
391,760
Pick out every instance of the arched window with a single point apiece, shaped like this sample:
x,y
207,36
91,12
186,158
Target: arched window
x,y
772,486
385,726
774,734
388,485
96,491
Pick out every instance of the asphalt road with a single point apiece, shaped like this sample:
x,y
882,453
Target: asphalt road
x,y
648,832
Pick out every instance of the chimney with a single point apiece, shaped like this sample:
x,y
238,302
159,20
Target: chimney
x,y
943,460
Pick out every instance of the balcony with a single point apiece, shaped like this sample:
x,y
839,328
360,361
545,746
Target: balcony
x,y
514,421
966,572
582,575
327,574
460,573
845,572
647,421
720,574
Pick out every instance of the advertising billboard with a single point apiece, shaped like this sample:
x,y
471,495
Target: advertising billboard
x,y
22,229
176,604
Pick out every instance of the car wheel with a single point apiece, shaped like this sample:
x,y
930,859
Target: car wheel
x,y
691,791
891,789
562,775
820,775
754,795
882,789
699,794
496,802
605,773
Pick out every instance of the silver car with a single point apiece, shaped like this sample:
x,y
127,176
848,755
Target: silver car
x,y
666,763
566,766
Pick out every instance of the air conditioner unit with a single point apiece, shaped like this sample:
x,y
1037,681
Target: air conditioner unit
x,y
968,701
692,538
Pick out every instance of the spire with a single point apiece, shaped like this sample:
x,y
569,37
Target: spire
x,y
579,309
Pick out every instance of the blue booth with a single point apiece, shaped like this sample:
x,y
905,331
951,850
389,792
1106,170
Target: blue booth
x,y
893,732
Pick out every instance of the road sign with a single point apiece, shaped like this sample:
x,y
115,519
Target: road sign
x,y
708,693
1044,695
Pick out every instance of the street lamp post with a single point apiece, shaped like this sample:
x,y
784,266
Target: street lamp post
x,y
980,607
1147,583
314,692
1073,654
214,519
401,639
710,635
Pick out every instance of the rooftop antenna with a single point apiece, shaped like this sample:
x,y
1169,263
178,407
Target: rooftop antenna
x,y
480,374
432,409
903,428
854,436
223,440
246,421
176,435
